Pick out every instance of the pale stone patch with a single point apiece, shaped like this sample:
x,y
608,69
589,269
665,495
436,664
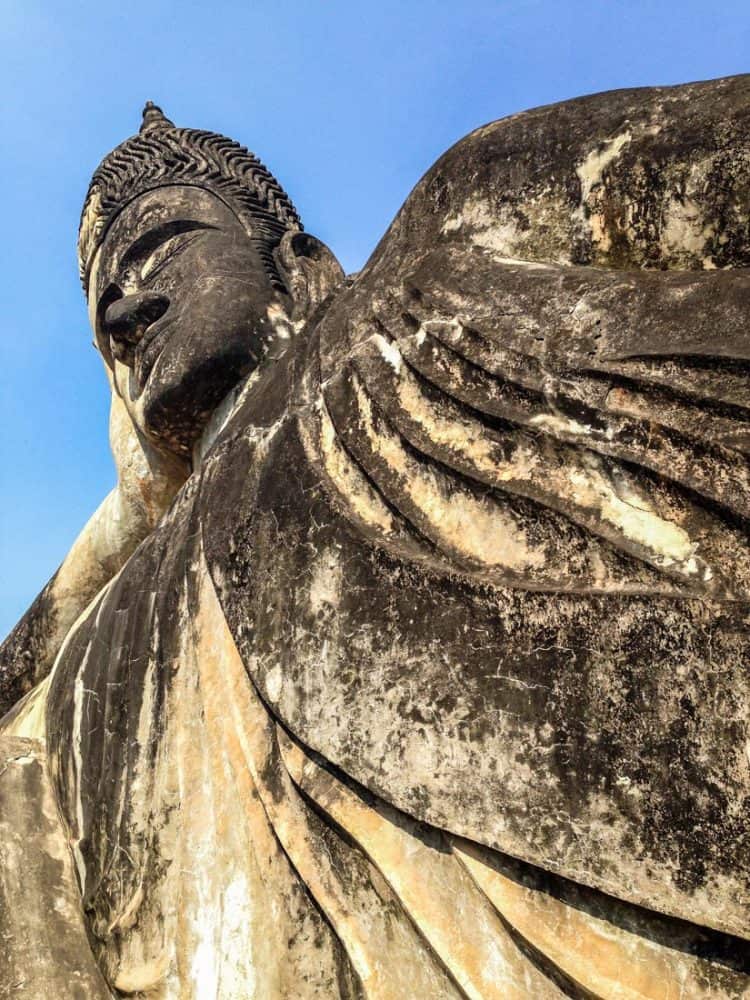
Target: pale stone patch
x,y
389,352
590,172
325,582
322,446
591,169
274,682
498,233
30,721
633,516
477,529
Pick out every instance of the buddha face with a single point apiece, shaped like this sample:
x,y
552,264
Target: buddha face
x,y
182,308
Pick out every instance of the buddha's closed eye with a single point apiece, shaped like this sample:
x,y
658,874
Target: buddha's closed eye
x,y
165,253
153,248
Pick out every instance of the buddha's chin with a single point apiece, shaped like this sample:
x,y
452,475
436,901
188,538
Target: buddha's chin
x,y
173,424
173,412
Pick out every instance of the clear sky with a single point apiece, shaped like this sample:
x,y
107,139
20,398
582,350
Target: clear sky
x,y
347,102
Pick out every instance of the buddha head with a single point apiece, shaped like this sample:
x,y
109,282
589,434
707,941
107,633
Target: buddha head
x,y
196,271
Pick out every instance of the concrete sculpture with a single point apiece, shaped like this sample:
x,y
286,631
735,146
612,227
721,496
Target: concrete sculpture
x,y
409,657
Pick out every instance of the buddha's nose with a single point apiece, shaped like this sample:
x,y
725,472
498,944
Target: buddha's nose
x,y
128,318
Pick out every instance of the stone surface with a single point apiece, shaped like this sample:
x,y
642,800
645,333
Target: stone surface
x,y
432,680
44,950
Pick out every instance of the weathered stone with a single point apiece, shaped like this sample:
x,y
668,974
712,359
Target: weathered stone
x,y
44,950
432,679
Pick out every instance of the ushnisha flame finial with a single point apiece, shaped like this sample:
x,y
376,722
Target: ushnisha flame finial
x,y
154,117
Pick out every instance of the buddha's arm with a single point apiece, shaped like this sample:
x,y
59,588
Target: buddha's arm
x,y
147,482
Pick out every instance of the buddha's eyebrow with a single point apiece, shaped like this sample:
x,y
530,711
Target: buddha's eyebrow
x,y
148,242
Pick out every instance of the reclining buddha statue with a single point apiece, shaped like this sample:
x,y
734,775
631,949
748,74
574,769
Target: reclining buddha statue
x,y
409,656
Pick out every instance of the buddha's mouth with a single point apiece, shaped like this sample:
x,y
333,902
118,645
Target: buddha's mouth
x,y
149,348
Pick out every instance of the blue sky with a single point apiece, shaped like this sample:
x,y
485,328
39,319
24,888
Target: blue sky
x,y
348,103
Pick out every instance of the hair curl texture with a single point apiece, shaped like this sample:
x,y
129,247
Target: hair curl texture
x,y
161,155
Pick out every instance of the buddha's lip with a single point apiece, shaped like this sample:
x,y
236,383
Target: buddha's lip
x,y
148,350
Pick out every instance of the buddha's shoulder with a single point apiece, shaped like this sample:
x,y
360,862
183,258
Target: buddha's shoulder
x,y
526,186
532,150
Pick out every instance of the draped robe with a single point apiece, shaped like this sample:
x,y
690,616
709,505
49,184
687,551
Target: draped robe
x,y
295,764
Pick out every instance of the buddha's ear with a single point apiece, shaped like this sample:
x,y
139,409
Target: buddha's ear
x,y
310,271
